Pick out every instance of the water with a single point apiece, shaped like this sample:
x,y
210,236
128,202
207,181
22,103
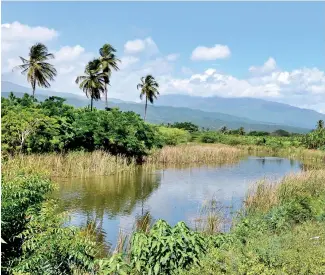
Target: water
x,y
172,194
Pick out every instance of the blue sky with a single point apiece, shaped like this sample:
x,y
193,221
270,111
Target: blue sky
x,y
272,50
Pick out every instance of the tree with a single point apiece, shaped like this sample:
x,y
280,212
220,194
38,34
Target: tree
x,y
320,124
149,88
93,82
223,129
241,131
39,71
188,126
108,62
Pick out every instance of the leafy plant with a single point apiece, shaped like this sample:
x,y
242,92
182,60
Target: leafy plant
x,y
166,250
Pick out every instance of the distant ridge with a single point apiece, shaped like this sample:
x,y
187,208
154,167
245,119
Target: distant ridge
x,y
250,108
159,114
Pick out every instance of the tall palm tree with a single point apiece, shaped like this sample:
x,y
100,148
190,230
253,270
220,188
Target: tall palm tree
x,y
92,83
320,124
108,62
39,71
149,88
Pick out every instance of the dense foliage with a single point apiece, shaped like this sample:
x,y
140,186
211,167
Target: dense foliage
x,y
35,240
52,126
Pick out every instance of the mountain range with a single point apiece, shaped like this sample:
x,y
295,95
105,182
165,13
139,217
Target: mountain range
x,y
213,112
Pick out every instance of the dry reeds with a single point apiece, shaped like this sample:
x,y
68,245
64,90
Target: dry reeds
x,y
290,152
74,164
264,195
195,154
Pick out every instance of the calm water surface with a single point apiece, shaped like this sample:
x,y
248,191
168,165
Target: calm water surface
x,y
172,194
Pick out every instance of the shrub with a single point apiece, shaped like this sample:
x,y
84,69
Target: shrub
x,y
174,136
166,250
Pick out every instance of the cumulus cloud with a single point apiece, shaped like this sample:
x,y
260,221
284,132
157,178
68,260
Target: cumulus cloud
x,y
13,32
303,87
205,53
138,45
268,67
127,61
68,53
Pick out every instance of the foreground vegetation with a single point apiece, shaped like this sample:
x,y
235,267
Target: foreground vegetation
x,y
279,231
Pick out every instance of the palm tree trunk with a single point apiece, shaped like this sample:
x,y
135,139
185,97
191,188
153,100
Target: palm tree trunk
x,y
91,104
33,87
145,109
106,96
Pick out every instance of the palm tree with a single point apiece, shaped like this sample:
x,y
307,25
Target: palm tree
x,y
149,88
39,71
320,124
92,83
108,62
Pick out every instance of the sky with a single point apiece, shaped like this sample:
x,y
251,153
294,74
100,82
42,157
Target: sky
x,y
269,50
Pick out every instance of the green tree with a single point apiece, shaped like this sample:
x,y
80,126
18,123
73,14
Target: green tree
x,y
18,126
149,88
188,126
93,82
320,124
108,62
241,131
39,71
223,129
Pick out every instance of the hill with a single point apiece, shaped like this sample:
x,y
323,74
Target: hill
x,y
250,108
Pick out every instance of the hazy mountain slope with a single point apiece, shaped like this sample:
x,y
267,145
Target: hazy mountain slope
x,y
251,108
158,114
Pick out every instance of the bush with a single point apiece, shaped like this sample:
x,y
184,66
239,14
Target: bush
x,y
36,241
52,126
210,137
166,250
173,136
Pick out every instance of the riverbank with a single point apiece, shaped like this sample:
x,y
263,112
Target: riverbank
x,y
101,163
280,230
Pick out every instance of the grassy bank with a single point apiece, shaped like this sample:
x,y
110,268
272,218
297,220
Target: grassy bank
x,y
74,164
281,231
195,154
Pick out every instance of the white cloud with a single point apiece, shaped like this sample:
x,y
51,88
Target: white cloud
x,y
172,57
268,67
138,45
127,61
68,53
13,32
302,87
216,52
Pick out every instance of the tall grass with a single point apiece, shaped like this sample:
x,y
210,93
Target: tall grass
x,y
74,164
195,154
297,153
265,195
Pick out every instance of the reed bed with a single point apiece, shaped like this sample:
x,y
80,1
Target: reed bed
x,y
290,153
74,164
195,154
264,195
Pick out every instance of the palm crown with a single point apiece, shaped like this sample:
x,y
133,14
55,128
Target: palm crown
x,y
108,62
149,89
39,71
93,82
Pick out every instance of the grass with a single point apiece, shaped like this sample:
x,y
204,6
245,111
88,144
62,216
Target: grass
x,y
195,154
265,195
281,231
74,164
297,153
